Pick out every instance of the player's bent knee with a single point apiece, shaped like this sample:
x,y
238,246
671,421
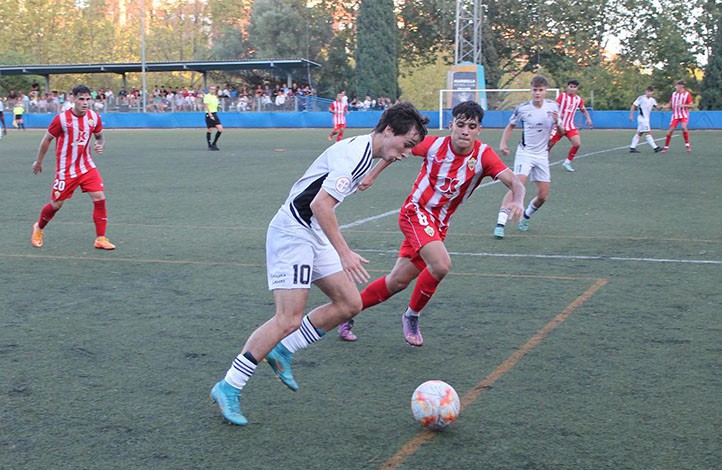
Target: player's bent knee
x,y
395,285
288,323
440,272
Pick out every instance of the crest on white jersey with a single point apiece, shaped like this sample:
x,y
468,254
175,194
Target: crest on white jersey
x,y
343,184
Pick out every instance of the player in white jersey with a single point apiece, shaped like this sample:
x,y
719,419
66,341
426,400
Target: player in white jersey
x,y
537,117
645,104
304,246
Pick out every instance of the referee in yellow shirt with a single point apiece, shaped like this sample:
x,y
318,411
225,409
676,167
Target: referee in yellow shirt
x,y
210,103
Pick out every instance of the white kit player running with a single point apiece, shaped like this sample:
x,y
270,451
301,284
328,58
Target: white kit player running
x,y
645,104
304,246
537,117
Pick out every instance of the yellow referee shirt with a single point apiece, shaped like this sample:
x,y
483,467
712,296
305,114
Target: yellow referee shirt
x,y
211,101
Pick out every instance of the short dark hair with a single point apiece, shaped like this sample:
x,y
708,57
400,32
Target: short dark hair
x,y
573,82
468,110
80,90
680,82
650,88
401,118
539,80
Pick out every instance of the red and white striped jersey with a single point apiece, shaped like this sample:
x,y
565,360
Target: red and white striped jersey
x,y
676,102
72,148
339,110
447,179
568,105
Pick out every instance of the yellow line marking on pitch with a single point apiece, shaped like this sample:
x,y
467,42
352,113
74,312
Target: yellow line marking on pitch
x,y
133,260
470,397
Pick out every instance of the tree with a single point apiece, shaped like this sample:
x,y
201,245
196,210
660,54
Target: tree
x,y
427,31
711,89
336,73
659,41
377,67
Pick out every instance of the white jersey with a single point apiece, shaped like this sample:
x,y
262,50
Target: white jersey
x,y
645,106
338,171
537,125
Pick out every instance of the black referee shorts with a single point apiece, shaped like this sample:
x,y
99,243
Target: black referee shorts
x,y
210,123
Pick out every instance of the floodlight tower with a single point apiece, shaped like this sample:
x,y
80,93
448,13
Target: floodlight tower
x,y
465,80
468,32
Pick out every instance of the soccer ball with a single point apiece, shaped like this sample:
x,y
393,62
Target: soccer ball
x,y
435,404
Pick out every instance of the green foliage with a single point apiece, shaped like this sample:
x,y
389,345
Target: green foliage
x,y
15,82
712,84
277,30
421,83
377,49
428,30
337,73
362,44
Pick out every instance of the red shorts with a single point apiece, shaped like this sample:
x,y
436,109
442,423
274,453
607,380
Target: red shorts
x,y
556,136
673,123
419,229
339,127
88,182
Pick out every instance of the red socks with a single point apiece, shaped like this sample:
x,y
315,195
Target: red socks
x,y
375,293
686,137
100,217
46,215
425,287
572,153
423,290
667,140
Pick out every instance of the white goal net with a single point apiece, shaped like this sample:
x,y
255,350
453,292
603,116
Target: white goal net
x,y
490,99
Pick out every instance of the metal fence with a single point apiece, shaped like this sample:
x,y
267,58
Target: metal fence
x,y
297,103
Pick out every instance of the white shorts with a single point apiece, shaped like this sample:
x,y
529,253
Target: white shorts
x,y
295,257
643,124
535,168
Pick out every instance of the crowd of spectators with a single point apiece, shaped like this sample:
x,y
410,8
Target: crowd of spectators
x,y
161,99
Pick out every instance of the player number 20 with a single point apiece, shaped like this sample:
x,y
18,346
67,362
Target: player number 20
x,y
59,185
301,274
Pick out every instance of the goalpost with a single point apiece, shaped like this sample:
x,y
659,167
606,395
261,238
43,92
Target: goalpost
x,y
491,99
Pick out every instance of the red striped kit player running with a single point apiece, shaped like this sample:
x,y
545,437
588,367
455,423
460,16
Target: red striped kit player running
x,y
339,110
681,102
569,102
452,168
75,167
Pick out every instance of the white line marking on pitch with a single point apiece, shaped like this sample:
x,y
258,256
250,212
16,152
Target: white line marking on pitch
x,y
565,257
483,185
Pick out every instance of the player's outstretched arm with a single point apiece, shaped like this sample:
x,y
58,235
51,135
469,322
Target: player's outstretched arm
x,y
588,116
42,150
505,138
322,207
518,191
99,143
369,179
